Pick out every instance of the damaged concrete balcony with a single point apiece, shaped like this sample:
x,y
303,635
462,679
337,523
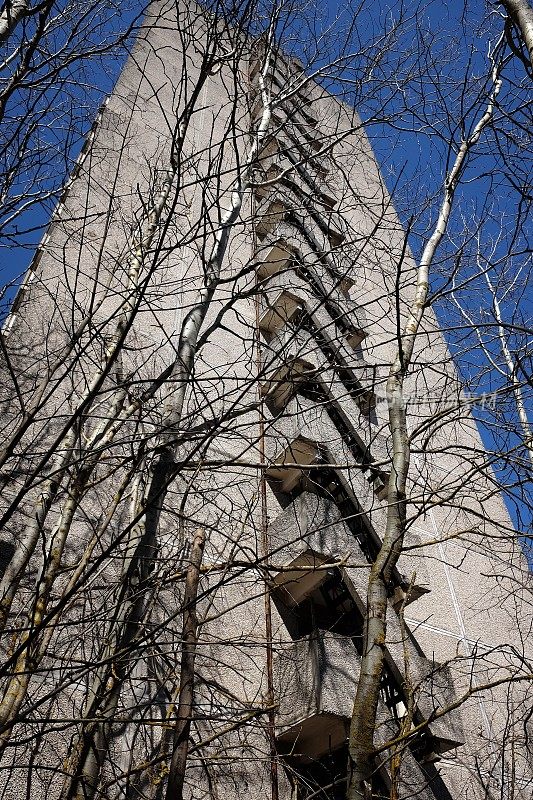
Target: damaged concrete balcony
x,y
315,677
313,530
316,420
316,674
286,250
289,467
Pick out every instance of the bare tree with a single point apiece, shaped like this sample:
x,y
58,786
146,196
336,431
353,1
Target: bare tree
x,y
200,485
363,724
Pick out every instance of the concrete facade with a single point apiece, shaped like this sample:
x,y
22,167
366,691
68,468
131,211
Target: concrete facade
x,y
284,454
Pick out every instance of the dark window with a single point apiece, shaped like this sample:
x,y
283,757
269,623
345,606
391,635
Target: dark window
x,y
7,551
326,778
328,607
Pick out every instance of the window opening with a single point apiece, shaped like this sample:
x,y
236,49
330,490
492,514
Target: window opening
x,y
325,778
7,551
322,778
392,695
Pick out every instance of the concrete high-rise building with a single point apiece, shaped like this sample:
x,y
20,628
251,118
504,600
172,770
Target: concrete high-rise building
x,y
237,601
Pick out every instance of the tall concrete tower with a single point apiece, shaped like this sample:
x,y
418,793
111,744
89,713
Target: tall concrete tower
x,y
198,460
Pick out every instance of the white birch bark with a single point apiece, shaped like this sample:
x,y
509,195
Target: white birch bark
x,y
521,14
13,12
512,375
508,371
363,722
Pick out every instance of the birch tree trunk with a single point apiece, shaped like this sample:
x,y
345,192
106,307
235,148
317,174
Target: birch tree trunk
x,y
364,716
521,14
11,15
512,375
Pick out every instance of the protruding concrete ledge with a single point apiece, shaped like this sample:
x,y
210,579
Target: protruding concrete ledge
x,y
278,311
269,214
282,383
300,578
316,680
436,694
274,258
282,155
289,466
316,677
269,177
312,530
333,308
336,238
301,418
325,354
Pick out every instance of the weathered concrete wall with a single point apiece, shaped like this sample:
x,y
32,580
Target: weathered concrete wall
x,y
459,541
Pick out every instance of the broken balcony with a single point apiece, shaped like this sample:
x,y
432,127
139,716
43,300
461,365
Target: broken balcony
x,y
277,310
349,318
284,382
437,693
290,466
316,678
274,257
269,213
332,524
309,344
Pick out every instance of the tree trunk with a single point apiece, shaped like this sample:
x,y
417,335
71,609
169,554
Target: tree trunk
x,y
178,762
521,14
363,722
